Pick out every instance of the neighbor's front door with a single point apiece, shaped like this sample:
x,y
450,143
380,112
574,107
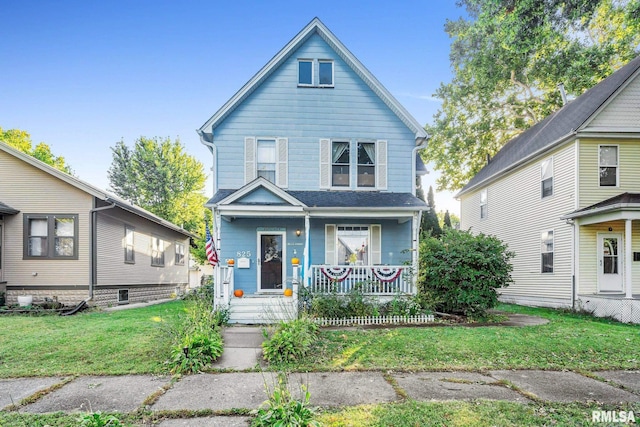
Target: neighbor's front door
x,y
609,262
271,263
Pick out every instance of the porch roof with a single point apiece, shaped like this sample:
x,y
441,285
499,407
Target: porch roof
x,y
7,210
621,202
340,199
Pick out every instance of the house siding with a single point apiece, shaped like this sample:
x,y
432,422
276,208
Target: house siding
x,y
111,267
629,178
279,108
33,191
518,215
623,111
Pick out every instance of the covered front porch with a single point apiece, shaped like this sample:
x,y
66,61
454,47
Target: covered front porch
x,y
607,258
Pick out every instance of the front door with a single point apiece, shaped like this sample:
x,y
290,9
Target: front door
x,y
609,262
271,263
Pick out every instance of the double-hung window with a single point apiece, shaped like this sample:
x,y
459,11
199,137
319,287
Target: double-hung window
x,y
546,177
483,204
366,164
50,236
179,253
157,252
355,244
340,164
266,164
305,72
325,73
608,162
546,251
129,248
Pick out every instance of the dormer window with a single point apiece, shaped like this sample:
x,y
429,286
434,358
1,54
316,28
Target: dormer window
x,y
315,73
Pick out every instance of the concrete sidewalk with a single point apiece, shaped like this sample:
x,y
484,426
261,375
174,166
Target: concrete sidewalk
x,y
241,384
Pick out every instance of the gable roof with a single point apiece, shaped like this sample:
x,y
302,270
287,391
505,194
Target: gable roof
x,y
315,27
90,189
556,128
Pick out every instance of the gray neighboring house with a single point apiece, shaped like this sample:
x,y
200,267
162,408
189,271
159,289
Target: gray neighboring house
x,y
565,196
64,239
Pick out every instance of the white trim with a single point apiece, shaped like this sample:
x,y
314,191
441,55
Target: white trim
x,y
282,162
330,244
542,178
333,72
259,234
553,251
325,147
617,166
621,260
628,258
267,185
312,72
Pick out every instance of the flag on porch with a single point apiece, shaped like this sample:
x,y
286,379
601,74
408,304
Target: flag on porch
x,y
210,249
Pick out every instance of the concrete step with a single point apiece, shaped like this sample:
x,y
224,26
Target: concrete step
x,y
261,309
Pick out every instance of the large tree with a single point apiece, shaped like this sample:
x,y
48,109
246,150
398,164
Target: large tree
x,y
508,58
21,140
159,176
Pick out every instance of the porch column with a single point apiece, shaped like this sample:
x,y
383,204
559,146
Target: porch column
x,y
628,257
307,252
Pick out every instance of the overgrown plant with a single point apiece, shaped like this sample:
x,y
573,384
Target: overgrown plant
x,y
463,271
98,419
281,409
197,339
290,341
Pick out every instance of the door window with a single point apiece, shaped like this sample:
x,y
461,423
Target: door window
x,y
271,266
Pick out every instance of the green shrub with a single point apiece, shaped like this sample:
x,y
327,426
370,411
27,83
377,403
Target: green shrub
x,y
402,305
291,341
281,409
359,304
327,305
98,419
461,271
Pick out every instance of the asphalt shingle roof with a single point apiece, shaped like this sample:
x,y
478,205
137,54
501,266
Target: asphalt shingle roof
x,y
554,127
343,199
7,210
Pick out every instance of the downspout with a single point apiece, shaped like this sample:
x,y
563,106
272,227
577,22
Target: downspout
x,y
422,143
93,247
573,262
207,139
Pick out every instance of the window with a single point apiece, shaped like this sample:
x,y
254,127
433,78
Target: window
x,y
366,164
608,161
129,252
325,73
50,236
266,164
483,204
546,251
546,176
353,245
123,296
179,253
308,69
340,164
305,72
157,252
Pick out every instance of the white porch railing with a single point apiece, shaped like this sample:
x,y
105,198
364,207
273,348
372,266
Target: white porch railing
x,y
223,285
370,279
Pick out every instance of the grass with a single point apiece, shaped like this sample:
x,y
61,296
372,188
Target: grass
x,y
135,342
91,343
569,341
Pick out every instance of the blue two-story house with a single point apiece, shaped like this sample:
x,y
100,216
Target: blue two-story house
x,y
313,160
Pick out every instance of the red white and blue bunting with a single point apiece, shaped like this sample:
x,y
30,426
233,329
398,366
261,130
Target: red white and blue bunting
x,y
336,274
385,274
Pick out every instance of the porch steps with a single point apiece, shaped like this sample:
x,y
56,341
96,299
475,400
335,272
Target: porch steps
x,y
261,309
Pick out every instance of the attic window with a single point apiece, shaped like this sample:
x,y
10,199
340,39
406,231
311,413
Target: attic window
x,y
305,72
315,72
325,73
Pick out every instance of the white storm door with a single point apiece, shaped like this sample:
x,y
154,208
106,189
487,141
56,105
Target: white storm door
x,y
610,262
271,265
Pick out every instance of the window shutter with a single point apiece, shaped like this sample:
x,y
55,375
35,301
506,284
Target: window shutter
x,y
249,159
282,168
325,163
376,243
381,165
330,244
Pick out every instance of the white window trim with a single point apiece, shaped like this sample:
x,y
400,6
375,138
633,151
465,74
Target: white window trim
x,y
331,242
553,245
131,228
333,74
183,253
282,159
617,166
160,249
326,164
313,73
349,165
542,178
484,204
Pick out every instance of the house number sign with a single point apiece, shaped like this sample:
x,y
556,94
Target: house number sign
x,y
243,254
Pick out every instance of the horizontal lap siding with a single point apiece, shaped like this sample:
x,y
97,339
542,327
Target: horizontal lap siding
x,y
623,111
112,270
517,215
629,161
32,191
278,108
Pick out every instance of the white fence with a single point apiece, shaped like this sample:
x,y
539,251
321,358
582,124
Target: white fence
x,y
380,320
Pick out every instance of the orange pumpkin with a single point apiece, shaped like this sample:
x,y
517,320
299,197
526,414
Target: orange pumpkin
x,y
288,292
295,261
231,261
238,293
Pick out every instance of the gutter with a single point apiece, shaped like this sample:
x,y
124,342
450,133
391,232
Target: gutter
x,y
422,143
93,246
207,140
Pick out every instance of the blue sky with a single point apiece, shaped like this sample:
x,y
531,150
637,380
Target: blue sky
x,y
82,75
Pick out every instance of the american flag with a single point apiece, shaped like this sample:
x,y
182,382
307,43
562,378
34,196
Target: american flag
x,y
210,249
